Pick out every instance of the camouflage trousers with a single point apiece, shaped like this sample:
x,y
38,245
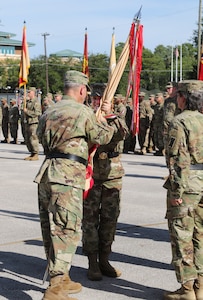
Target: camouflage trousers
x,y
60,210
100,214
14,130
186,234
31,138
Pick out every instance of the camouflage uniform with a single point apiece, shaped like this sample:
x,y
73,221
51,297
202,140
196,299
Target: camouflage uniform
x,y
120,110
145,115
5,120
13,120
158,127
102,206
185,183
64,131
31,119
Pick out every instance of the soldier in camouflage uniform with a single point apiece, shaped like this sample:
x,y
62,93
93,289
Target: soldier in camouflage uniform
x,y
66,130
185,192
13,120
120,110
158,125
5,120
170,110
145,117
102,206
32,112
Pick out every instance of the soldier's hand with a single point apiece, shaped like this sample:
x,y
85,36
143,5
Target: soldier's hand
x,y
176,202
106,107
25,110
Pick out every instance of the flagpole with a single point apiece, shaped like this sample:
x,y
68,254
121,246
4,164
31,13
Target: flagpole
x,y
172,64
176,78
181,62
199,37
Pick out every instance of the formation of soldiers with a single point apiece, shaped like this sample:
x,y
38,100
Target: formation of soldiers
x,y
154,115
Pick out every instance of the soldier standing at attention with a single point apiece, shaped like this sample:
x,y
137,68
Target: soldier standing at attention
x,y
5,120
57,97
32,112
145,118
66,130
158,125
13,121
185,192
170,110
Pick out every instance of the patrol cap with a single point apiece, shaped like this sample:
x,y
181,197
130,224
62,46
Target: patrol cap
x,y
169,85
159,95
151,96
117,96
3,98
58,93
13,100
142,94
32,89
76,77
129,100
190,86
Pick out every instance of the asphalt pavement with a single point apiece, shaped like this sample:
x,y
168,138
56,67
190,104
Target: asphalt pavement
x,y
141,249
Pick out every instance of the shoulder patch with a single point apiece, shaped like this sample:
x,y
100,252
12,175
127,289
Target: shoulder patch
x,y
171,142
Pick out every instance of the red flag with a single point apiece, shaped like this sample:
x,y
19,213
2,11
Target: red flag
x,y
136,46
200,75
85,68
25,61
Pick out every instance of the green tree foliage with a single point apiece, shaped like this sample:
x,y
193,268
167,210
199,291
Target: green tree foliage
x,y
156,69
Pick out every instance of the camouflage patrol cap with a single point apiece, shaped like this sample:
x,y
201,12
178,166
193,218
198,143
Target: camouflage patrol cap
x,y
151,96
58,93
32,89
118,96
159,95
169,85
142,94
190,86
76,77
13,100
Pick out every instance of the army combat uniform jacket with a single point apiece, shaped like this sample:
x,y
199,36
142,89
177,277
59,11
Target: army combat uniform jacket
x,y
185,159
69,128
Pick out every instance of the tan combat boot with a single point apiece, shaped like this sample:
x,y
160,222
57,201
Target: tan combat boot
x,y
70,286
106,268
55,290
186,292
144,151
93,272
198,287
28,157
34,156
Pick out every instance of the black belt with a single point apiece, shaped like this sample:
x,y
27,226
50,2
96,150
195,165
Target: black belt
x,y
196,167
67,156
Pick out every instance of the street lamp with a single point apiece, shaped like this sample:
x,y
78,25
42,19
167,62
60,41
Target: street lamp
x,y
46,60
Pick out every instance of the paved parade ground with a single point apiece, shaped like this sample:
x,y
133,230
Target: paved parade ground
x,y
141,249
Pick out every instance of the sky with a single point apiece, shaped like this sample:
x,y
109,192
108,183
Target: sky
x,y
164,22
